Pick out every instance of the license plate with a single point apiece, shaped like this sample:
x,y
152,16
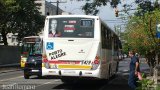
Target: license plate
x,y
35,70
69,72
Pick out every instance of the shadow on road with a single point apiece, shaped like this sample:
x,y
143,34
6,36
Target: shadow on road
x,y
117,83
82,85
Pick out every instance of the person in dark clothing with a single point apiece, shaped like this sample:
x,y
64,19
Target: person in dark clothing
x,y
134,69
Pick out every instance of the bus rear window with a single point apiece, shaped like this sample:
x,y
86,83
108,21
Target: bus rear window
x,y
71,27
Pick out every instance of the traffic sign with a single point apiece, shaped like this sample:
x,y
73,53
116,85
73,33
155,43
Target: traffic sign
x,y
158,31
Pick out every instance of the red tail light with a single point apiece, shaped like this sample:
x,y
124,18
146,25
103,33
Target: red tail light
x,y
44,58
25,53
96,61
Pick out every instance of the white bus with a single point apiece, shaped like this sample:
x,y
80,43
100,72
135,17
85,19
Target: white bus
x,y
79,46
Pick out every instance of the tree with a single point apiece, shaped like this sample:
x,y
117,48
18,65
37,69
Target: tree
x,y
145,19
29,21
20,16
92,8
141,33
7,8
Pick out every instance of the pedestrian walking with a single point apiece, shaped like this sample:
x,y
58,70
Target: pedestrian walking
x,y
134,69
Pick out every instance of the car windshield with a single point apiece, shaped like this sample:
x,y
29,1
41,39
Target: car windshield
x,y
33,58
32,48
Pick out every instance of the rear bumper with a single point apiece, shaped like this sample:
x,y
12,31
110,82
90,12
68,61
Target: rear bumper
x,y
32,71
71,73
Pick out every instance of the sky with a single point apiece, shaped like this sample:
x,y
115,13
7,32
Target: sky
x,y
107,13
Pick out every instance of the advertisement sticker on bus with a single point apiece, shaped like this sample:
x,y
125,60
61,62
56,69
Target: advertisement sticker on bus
x,y
69,28
72,21
56,54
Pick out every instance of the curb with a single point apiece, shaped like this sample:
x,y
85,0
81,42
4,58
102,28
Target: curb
x,y
6,71
10,65
9,68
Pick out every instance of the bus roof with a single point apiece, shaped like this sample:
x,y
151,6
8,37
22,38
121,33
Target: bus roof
x,y
33,37
86,16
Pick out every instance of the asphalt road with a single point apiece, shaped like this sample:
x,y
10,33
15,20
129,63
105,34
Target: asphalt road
x,y
14,81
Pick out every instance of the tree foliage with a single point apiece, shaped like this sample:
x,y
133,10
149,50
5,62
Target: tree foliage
x,y
19,16
141,29
92,8
140,34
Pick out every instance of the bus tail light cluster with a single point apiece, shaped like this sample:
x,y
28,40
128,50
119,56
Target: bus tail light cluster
x,y
46,63
44,60
95,63
44,57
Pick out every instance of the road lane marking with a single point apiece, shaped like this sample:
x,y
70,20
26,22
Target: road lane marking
x,y
11,78
125,70
57,80
47,83
43,84
125,62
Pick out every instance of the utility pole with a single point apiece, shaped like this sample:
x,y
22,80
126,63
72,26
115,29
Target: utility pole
x,y
57,2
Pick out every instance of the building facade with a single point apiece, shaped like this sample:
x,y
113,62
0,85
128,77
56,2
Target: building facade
x,y
44,8
48,8
11,39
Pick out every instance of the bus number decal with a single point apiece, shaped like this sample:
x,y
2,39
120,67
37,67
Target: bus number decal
x,y
56,54
86,62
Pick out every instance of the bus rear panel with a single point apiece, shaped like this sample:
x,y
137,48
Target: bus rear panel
x,y
72,47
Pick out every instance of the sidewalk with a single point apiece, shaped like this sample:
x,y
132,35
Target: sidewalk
x,y
151,78
119,83
147,72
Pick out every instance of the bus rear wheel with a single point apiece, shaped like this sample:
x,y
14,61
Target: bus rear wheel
x,y
67,80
